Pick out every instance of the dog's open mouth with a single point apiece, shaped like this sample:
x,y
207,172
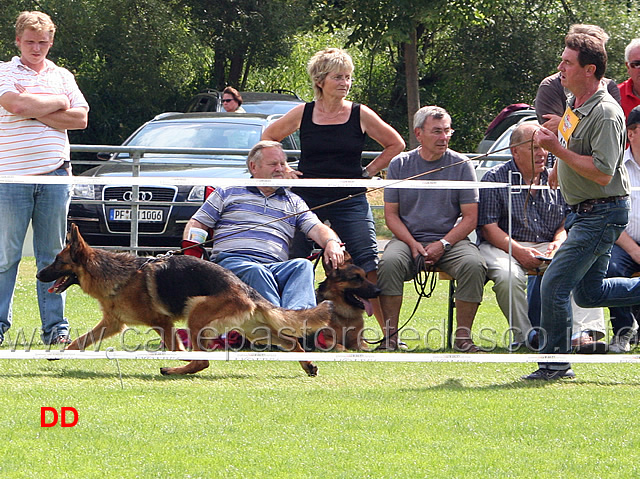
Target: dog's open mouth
x,y
62,283
359,302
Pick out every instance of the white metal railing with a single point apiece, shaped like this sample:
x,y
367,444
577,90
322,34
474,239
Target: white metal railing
x,y
136,153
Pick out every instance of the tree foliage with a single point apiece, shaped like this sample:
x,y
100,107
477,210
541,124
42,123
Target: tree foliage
x,y
134,59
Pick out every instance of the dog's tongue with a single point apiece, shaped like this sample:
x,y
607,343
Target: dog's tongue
x,y
56,285
368,307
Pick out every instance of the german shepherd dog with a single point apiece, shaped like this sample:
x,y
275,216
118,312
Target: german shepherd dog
x,y
161,291
348,288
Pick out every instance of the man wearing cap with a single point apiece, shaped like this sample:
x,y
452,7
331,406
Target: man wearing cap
x,y
589,146
625,255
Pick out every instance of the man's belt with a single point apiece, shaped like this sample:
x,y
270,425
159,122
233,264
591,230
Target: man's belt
x,y
587,205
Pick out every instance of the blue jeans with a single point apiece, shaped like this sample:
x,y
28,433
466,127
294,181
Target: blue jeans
x,y
353,221
46,206
288,284
580,265
622,265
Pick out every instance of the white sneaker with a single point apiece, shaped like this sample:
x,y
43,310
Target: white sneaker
x,y
620,344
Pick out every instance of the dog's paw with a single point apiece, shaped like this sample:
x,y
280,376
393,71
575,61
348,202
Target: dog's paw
x,y
165,371
312,370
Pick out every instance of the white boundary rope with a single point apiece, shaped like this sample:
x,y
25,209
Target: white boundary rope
x,y
399,357
188,181
293,356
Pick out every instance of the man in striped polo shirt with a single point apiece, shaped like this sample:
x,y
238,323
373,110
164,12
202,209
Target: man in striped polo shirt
x,y
39,102
253,228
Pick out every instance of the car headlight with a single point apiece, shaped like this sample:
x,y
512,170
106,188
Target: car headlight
x,y
196,194
85,192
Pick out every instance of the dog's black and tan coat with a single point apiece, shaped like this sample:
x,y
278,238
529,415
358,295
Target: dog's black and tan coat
x,y
132,290
348,288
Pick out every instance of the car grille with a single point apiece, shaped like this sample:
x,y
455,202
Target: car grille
x,y
150,193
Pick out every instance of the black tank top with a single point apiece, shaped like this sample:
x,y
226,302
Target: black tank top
x,y
331,151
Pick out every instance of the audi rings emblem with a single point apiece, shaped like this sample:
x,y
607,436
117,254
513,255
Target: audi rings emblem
x,y
142,196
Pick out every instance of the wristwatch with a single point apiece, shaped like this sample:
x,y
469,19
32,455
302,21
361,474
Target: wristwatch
x,y
445,244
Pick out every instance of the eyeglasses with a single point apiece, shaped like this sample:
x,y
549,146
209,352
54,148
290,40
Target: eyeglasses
x,y
226,100
634,64
448,132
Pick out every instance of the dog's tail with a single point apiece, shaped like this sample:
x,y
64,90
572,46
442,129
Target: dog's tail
x,y
301,322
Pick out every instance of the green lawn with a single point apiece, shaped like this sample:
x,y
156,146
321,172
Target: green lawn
x,y
356,419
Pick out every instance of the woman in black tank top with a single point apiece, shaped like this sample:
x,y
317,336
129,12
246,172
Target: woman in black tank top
x,y
332,137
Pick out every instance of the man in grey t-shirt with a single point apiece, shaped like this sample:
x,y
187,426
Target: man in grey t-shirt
x,y
433,224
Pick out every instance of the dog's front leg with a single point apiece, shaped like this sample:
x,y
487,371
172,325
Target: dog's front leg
x,y
106,328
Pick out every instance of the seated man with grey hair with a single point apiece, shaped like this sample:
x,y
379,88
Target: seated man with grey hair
x,y
432,224
252,230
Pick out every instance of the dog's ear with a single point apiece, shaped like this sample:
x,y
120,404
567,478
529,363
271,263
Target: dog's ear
x,y
76,242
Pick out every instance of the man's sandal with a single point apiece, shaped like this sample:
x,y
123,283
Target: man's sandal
x,y
465,345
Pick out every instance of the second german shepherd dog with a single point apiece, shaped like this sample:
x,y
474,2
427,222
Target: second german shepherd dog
x,y
348,288
161,291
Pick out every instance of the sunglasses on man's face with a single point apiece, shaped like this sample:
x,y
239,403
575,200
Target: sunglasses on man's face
x,y
227,100
635,64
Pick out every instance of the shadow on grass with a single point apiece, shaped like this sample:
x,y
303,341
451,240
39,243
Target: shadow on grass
x,y
83,374
456,384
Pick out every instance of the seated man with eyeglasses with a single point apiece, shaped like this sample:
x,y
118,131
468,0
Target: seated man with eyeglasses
x,y
630,88
432,224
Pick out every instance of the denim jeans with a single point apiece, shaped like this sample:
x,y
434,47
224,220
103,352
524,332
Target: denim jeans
x,y
46,206
580,265
353,221
621,264
288,284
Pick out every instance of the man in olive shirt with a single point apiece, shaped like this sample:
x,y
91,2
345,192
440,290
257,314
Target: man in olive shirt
x,y
589,145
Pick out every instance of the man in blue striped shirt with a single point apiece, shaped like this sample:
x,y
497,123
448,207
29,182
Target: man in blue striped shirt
x,y
253,228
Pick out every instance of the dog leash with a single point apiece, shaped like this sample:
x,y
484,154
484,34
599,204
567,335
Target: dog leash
x,y
425,278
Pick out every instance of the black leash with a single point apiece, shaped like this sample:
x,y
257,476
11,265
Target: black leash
x,y
424,279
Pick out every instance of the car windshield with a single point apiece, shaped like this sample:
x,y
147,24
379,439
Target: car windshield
x,y
195,135
501,146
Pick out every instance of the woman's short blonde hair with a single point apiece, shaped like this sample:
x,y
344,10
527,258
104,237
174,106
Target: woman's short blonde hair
x,y
325,62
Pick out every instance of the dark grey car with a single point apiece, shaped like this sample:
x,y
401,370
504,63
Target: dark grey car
x,y
268,103
161,226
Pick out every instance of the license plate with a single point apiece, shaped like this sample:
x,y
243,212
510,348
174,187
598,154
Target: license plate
x,y
145,216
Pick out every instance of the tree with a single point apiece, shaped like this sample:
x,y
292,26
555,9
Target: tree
x,y
410,27
245,34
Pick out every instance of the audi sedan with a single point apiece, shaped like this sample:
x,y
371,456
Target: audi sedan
x,y
103,212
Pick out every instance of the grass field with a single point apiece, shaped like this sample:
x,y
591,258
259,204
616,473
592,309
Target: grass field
x,y
356,419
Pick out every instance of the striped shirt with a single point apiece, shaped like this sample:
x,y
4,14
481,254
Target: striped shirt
x,y
28,146
545,211
242,219
633,228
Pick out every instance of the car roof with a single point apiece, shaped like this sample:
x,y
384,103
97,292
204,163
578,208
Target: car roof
x,y
279,101
258,118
